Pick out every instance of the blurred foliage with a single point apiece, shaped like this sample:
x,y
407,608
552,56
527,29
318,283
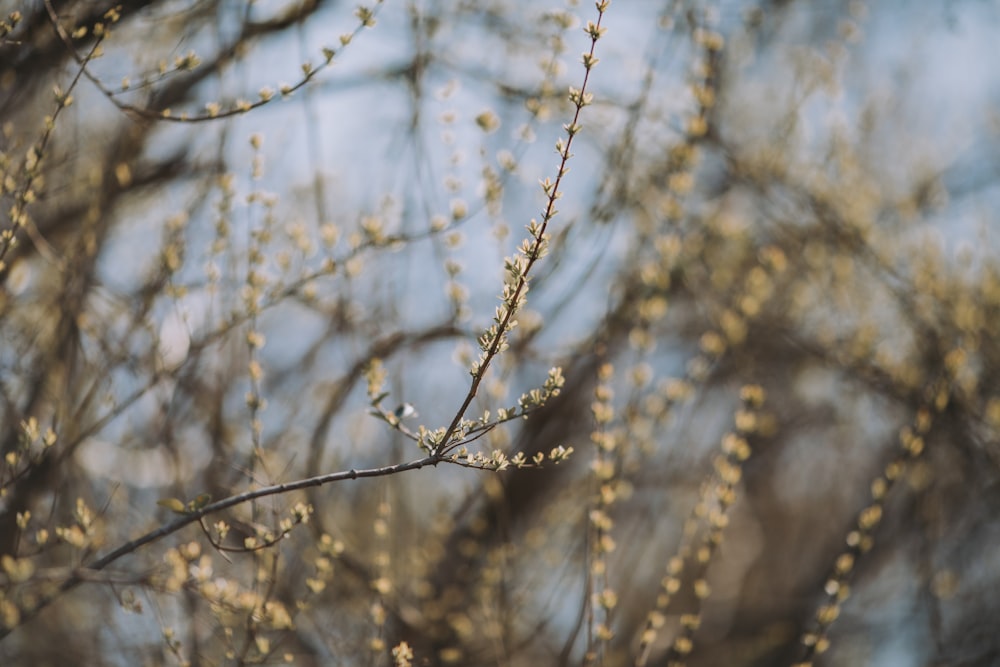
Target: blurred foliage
x,y
236,235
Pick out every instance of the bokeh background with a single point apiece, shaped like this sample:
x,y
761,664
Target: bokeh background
x,y
224,232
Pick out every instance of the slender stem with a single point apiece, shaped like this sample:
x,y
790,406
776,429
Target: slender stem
x,y
533,255
82,574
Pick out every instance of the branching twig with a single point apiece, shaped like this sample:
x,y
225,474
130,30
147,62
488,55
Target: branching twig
x,y
83,574
518,268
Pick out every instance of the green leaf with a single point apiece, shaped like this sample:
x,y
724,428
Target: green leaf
x,y
200,501
172,504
